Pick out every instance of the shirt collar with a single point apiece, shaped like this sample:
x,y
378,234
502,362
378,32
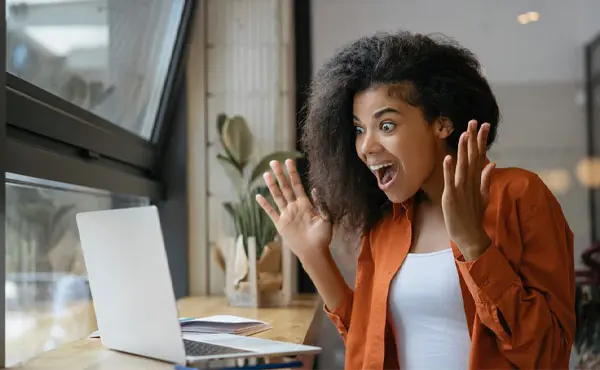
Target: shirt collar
x,y
400,209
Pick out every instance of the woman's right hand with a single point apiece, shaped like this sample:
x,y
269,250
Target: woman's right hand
x,y
303,229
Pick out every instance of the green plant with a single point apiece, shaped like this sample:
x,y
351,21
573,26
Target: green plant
x,y
238,143
250,220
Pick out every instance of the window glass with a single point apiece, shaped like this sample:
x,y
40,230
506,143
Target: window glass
x,y
47,296
107,56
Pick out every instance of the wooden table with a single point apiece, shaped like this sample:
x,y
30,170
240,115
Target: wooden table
x,y
289,324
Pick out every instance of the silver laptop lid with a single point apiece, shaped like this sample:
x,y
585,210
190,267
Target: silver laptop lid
x,y
131,283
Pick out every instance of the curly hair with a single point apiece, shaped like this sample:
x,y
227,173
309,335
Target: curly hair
x,y
445,81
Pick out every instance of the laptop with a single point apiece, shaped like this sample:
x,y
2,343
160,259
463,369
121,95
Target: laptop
x,y
133,295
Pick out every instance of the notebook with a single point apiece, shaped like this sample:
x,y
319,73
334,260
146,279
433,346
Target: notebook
x,y
219,324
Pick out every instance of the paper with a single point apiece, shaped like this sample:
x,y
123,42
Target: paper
x,y
224,324
218,324
225,319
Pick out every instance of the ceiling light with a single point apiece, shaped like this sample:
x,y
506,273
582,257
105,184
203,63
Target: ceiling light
x,y
588,172
557,180
533,16
528,17
62,40
523,19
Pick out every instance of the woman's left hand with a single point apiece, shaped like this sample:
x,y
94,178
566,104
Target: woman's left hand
x,y
466,192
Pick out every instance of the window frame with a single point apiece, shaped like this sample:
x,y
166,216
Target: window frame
x,y
40,112
303,60
46,137
592,82
3,189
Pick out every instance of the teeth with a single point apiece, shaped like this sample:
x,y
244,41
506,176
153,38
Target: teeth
x,y
378,166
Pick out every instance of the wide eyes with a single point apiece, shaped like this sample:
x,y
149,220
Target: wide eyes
x,y
385,127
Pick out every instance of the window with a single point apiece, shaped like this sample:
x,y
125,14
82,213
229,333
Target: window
x,y
47,297
92,90
109,57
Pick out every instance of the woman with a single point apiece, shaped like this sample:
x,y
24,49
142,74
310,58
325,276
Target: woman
x,y
463,265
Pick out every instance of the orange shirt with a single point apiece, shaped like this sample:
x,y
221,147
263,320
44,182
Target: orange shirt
x,y
519,295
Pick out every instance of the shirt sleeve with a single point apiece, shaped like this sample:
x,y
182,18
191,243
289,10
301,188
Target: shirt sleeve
x,y
529,307
340,316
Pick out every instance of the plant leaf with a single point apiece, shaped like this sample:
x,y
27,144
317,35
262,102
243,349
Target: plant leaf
x,y
229,208
221,119
263,166
238,140
251,221
262,190
233,173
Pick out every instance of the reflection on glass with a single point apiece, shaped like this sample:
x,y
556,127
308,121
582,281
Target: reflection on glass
x,y
107,56
47,296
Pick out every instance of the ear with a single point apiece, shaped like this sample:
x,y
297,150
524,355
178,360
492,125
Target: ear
x,y
443,127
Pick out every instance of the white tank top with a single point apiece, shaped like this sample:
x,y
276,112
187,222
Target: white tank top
x,y
428,315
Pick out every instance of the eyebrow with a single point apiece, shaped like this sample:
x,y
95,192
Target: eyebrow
x,y
380,112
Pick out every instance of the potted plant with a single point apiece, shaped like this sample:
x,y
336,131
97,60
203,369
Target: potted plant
x,y
254,261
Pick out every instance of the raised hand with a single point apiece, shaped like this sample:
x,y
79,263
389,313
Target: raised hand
x,y
466,192
303,229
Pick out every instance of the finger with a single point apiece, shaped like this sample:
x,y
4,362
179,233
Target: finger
x,y
472,146
268,208
486,176
448,173
461,161
320,210
474,171
482,137
282,179
295,179
275,191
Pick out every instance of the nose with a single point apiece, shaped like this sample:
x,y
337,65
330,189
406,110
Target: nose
x,y
370,143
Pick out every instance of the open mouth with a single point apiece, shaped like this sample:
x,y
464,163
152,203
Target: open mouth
x,y
385,173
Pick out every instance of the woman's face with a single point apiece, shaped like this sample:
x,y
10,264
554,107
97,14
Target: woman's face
x,y
396,142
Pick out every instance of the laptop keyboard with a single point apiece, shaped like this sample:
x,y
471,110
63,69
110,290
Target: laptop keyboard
x,y
193,348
